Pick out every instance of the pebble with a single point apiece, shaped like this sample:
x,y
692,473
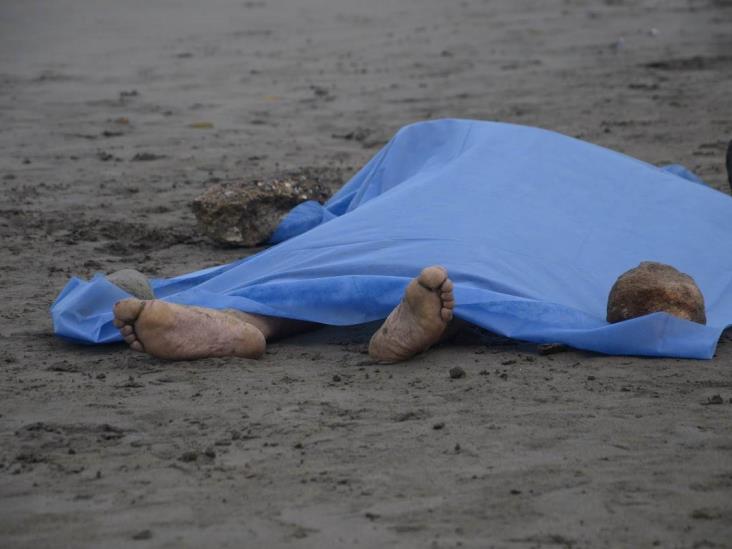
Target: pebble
x,y
146,157
143,534
551,348
715,399
457,372
188,456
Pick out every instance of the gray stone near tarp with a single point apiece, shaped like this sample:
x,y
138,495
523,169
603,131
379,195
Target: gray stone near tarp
x,y
133,282
655,287
247,213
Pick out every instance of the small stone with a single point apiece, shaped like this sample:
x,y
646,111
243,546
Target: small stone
x,y
439,425
146,157
133,282
714,399
552,348
209,453
336,378
655,287
142,535
187,457
705,514
457,372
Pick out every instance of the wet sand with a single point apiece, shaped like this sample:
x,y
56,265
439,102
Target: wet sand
x,y
114,117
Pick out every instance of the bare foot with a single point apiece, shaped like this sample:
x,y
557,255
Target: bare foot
x,y
167,330
419,321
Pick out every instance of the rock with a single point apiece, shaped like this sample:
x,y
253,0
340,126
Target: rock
x,y
654,287
146,157
457,372
705,514
189,456
551,348
133,282
714,399
247,213
142,535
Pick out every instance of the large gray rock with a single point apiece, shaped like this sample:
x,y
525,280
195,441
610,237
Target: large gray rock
x,y
133,282
247,213
655,287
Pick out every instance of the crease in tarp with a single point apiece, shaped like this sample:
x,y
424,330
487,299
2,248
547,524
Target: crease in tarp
x,y
533,226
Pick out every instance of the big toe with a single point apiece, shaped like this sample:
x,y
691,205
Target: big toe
x,y
127,310
432,277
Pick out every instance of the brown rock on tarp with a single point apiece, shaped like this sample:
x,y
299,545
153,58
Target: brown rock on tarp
x,y
246,213
655,287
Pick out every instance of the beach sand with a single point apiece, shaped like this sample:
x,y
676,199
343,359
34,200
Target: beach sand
x,y
115,115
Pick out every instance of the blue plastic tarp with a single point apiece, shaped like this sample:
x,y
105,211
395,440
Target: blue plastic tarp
x,y
533,226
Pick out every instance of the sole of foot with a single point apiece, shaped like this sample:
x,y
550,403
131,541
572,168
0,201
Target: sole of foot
x,y
419,321
176,332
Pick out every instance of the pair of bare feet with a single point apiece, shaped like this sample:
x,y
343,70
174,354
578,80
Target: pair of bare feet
x,y
176,332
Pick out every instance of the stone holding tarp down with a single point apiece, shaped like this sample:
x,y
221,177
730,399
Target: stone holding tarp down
x,y
133,282
655,287
247,213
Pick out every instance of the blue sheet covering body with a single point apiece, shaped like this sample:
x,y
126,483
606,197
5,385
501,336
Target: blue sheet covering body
x,y
533,226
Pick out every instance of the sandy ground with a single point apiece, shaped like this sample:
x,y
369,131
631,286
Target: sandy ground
x,y
314,446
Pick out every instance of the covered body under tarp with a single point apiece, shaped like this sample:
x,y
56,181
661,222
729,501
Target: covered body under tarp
x,y
533,226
